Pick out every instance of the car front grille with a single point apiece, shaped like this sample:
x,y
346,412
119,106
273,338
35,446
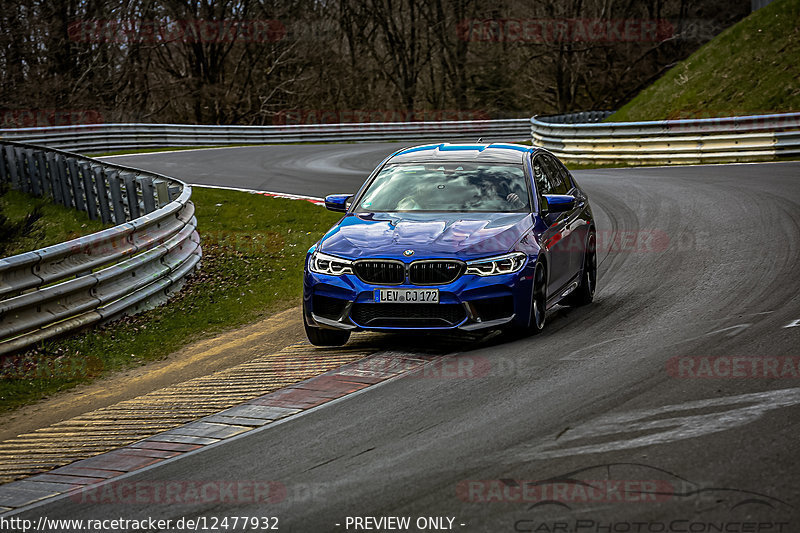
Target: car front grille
x,y
407,315
380,272
434,272
391,272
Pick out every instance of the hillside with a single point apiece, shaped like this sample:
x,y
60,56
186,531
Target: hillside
x,y
752,67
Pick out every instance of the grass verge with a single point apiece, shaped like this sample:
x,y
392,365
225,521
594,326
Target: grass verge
x,y
51,223
253,252
750,68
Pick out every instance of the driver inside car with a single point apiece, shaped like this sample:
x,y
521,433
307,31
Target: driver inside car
x,y
423,197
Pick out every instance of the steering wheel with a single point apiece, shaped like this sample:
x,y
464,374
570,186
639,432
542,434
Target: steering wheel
x,y
408,204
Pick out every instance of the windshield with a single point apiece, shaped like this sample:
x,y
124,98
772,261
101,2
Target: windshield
x,y
450,187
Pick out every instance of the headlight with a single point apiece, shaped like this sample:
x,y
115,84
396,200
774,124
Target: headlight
x,y
501,264
327,264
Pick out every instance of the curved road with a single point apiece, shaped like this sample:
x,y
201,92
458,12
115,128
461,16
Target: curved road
x,y
697,263
306,169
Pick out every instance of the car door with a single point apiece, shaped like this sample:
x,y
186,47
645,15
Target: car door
x,y
576,226
553,239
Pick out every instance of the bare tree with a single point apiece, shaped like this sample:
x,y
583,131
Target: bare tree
x,y
197,61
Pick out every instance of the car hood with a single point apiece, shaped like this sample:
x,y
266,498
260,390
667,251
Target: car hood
x,y
461,235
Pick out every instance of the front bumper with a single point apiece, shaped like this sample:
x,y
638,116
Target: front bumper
x,y
469,303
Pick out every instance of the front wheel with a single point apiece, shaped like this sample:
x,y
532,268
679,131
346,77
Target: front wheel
x,y
584,293
539,303
325,337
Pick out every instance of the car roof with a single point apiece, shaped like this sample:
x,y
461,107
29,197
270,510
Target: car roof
x,y
473,152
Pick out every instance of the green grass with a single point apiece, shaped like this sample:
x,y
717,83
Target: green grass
x,y
57,223
752,67
253,252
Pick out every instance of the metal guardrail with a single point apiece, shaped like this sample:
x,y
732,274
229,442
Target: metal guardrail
x,y
579,137
581,117
749,138
124,269
107,137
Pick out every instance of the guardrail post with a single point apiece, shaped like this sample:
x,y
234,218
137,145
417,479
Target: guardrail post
x,y
55,181
116,197
85,171
38,173
33,173
44,179
131,193
102,194
3,167
11,157
75,181
162,190
24,179
63,185
148,196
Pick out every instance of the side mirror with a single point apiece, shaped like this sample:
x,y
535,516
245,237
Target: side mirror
x,y
338,202
558,203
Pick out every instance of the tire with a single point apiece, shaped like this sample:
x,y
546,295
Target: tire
x,y
539,300
584,293
325,337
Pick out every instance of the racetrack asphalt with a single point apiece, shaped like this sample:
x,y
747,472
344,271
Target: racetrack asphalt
x,y
601,422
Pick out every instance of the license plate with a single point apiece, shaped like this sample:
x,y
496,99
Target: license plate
x,y
417,296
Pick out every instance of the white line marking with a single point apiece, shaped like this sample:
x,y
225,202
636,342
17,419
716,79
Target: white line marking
x,y
572,355
178,151
678,165
663,424
734,330
312,199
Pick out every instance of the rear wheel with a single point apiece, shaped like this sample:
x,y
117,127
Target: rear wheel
x,y
539,303
584,294
325,337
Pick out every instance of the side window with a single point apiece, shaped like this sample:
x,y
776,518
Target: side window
x,y
540,176
558,183
566,176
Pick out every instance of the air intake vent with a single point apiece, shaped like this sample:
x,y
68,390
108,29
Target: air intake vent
x,y
327,307
407,315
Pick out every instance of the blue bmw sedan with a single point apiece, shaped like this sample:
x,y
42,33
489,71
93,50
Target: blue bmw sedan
x,y
450,236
